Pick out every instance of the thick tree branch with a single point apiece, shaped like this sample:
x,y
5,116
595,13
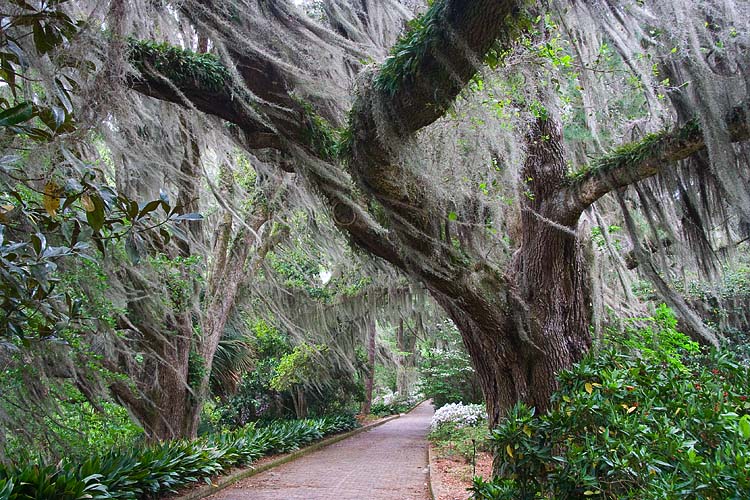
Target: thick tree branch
x,y
631,163
414,87
432,63
207,89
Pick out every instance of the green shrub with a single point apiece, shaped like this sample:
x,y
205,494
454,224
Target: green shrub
x,y
445,371
385,409
646,418
395,406
157,469
463,442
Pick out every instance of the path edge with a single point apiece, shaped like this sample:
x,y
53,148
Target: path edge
x,y
230,479
433,479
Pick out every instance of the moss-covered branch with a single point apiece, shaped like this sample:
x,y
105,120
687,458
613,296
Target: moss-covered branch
x,y
635,161
177,64
420,38
197,80
432,62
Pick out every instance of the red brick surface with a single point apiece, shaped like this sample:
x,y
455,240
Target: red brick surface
x,y
386,463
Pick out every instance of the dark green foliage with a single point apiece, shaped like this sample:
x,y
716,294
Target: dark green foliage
x,y
51,217
158,469
50,27
38,482
633,421
421,37
179,65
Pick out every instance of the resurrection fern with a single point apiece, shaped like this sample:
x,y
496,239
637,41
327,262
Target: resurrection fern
x,y
179,65
634,153
328,142
320,135
402,63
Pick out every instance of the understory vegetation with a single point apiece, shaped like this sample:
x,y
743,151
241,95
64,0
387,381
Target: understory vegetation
x,y
648,416
155,470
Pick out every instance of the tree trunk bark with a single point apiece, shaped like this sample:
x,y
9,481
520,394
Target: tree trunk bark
x,y
299,401
370,377
402,374
163,401
544,326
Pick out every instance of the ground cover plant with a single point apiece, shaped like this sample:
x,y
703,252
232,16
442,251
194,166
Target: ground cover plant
x,y
460,430
649,416
160,468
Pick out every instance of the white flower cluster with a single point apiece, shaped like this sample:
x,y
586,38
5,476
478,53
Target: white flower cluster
x,y
386,398
460,414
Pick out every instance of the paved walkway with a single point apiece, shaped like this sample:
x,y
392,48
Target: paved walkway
x,y
386,463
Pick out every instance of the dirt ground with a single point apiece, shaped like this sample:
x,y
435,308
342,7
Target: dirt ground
x,y
452,476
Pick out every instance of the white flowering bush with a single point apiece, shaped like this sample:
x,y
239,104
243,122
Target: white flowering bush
x,y
460,415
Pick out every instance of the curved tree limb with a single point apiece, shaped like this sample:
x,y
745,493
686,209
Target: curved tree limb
x,y
634,162
220,103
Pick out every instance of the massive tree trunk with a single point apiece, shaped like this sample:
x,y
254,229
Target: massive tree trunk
x,y
544,326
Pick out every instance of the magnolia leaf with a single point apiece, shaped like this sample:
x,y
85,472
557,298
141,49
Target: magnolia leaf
x,y
16,114
589,388
744,424
96,217
51,200
88,205
149,207
63,96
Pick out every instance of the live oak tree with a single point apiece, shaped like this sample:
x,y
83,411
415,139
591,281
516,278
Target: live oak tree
x,y
284,81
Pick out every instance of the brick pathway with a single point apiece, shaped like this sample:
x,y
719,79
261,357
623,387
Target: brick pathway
x,y
386,463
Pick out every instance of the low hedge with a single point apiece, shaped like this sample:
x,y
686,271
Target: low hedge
x,y
151,471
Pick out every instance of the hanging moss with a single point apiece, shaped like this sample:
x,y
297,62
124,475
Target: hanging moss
x,y
179,65
634,153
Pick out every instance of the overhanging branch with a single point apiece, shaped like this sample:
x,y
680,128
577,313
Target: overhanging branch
x,y
434,61
195,80
633,162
